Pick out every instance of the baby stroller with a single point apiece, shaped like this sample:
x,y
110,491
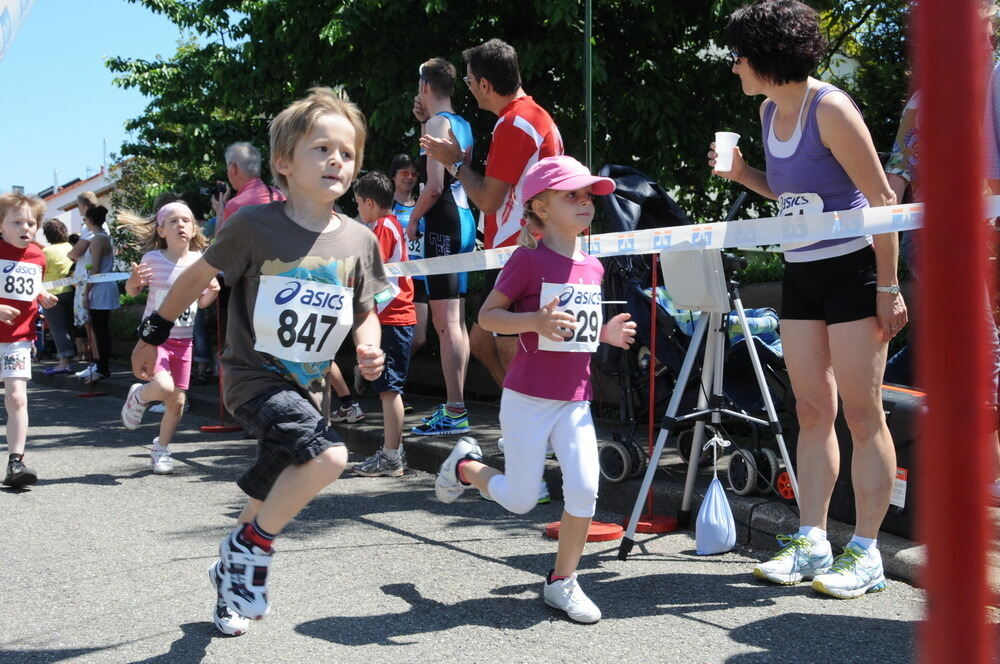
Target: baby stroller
x,y
638,203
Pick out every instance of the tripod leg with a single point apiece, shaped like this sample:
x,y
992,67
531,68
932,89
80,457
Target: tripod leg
x,y
708,372
765,393
628,540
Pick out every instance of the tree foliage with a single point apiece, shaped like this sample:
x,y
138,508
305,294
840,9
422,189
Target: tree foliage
x,y
662,84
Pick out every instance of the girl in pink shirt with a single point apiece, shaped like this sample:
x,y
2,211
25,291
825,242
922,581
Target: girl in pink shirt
x,y
172,241
549,293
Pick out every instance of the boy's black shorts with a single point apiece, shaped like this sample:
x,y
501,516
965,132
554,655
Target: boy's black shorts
x,y
289,430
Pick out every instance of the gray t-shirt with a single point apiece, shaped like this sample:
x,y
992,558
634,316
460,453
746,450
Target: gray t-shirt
x,y
294,296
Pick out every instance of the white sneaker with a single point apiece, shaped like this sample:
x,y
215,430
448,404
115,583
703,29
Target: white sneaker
x,y
87,372
351,413
800,558
567,595
854,573
243,576
226,620
133,408
447,485
162,462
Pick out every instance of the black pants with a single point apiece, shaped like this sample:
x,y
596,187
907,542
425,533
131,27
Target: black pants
x,y
100,320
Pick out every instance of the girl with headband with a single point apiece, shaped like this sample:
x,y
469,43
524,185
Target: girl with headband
x,y
171,241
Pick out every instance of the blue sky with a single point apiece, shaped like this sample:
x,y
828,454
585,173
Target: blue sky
x,y
58,102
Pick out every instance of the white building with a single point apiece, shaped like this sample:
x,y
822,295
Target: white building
x,y
61,202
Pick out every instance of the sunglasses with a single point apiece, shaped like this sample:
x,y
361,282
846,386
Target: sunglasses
x,y
734,57
468,80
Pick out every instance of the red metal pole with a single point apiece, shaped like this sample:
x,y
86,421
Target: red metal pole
x,y
952,353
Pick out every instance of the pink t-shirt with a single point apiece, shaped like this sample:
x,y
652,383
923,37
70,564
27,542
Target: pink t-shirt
x,y
165,273
540,373
254,192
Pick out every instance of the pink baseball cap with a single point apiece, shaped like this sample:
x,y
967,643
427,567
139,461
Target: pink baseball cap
x,y
562,173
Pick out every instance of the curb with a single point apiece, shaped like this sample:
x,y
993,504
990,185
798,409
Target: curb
x,y
758,520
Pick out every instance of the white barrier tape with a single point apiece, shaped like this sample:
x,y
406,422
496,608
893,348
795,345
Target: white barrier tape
x,y
94,279
717,235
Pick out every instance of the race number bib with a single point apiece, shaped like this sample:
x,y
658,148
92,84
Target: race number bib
x,y
186,319
298,320
583,302
415,248
19,281
793,205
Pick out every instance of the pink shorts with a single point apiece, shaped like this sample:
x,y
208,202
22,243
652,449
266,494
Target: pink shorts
x,y
174,356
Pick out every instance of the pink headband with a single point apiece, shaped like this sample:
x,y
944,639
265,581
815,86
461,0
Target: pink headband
x,y
176,206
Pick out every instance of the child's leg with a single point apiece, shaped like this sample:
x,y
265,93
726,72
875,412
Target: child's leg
x,y
16,402
575,444
337,381
526,423
297,485
172,412
392,416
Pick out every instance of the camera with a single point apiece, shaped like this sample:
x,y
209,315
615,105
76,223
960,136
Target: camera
x,y
214,189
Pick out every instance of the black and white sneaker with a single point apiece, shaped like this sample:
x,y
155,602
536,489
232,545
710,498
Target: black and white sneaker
x,y
226,620
18,474
243,575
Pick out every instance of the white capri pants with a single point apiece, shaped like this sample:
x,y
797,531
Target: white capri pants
x,y
528,424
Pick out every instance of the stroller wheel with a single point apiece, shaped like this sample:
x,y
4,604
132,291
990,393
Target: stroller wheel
x,y
742,473
684,440
618,461
768,468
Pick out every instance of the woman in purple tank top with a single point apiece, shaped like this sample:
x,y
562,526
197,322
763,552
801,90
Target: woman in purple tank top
x,y
840,298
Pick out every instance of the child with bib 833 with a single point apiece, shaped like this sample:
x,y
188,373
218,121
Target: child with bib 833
x,y
171,241
549,293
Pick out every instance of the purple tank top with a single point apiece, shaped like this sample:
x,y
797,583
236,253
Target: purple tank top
x,y
812,168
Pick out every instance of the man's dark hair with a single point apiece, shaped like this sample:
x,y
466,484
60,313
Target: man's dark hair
x,y
779,38
55,231
376,186
440,75
401,161
496,61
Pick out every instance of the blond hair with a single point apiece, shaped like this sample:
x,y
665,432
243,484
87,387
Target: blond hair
x,y
87,199
12,201
530,221
143,229
299,118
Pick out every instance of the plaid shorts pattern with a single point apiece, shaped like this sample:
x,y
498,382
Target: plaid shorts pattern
x,y
289,430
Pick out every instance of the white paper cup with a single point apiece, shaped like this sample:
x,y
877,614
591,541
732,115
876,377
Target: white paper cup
x,y
725,142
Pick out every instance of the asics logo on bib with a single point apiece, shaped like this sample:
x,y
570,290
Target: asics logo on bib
x,y
310,297
20,268
793,201
571,295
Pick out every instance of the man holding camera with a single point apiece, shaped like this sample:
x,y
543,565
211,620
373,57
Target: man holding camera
x,y
243,172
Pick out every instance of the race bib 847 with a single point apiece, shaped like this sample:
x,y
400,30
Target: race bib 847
x,y
299,320
19,281
583,302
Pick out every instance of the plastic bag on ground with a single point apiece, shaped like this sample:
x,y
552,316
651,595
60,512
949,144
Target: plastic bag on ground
x,y
715,528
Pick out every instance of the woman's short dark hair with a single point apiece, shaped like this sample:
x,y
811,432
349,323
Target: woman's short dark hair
x,y
55,231
401,161
496,61
97,215
780,39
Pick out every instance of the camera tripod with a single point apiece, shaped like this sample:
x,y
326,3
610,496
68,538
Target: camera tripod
x,y
712,405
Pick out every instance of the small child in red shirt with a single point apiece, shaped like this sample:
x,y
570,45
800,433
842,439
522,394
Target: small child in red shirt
x,y
397,316
22,266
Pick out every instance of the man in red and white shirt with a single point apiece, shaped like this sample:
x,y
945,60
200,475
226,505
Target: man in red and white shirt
x,y
243,173
523,134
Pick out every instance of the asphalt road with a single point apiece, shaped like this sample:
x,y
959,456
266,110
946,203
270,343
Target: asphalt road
x,y
102,561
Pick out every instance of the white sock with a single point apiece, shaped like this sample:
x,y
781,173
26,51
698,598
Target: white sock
x,y
816,535
390,454
866,543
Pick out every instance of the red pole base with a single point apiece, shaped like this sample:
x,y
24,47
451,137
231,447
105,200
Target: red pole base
x,y
598,531
220,428
92,394
654,523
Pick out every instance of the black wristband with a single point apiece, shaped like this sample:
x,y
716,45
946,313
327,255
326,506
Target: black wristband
x,y
154,329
